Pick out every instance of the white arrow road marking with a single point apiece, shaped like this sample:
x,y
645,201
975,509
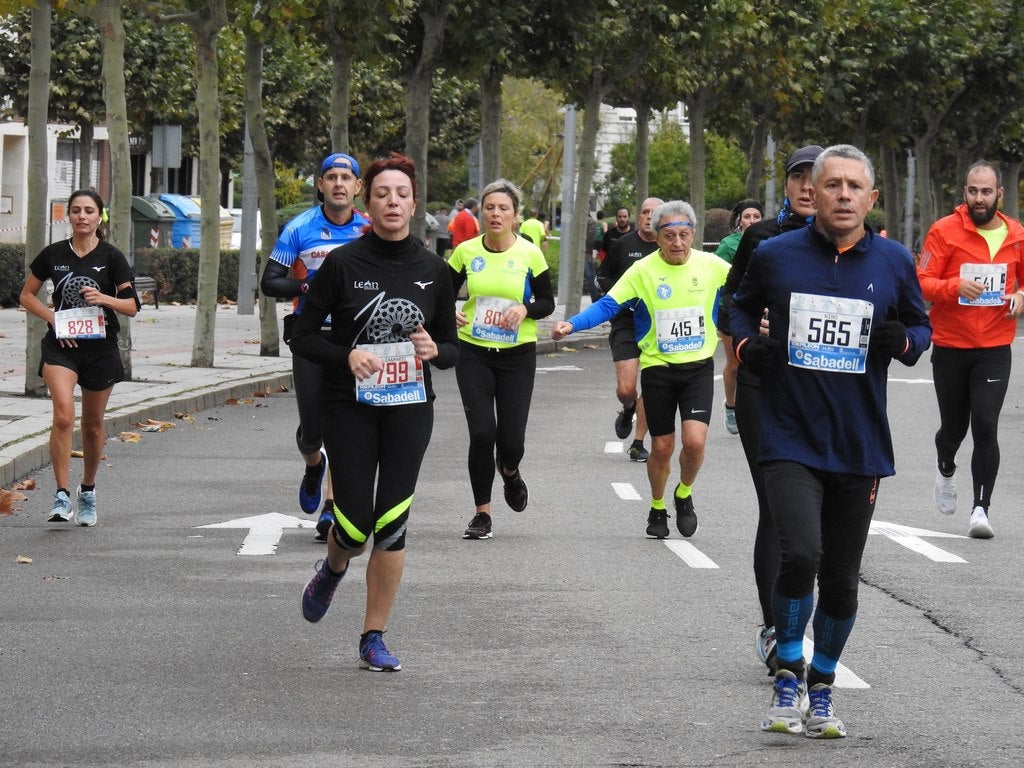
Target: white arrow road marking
x,y
911,538
844,677
690,555
613,447
264,530
626,492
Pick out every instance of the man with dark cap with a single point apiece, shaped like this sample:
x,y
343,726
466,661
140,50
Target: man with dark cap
x,y
301,248
797,211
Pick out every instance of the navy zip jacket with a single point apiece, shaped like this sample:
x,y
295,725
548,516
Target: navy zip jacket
x,y
834,421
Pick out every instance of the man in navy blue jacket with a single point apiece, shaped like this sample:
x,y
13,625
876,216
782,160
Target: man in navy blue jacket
x,y
842,302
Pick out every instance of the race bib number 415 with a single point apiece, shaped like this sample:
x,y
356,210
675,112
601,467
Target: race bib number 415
x,y
80,323
828,333
400,379
680,329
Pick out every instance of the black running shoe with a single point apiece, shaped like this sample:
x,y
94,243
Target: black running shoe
x,y
516,494
638,453
624,421
657,524
479,527
686,518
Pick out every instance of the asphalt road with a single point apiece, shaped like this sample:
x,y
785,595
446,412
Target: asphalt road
x,y
569,639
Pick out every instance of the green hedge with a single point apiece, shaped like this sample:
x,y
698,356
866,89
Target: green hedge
x,y
12,273
175,272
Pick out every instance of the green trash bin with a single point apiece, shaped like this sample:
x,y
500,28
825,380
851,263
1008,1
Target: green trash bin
x,y
152,220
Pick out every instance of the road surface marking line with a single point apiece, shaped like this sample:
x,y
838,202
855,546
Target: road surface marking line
x,y
626,492
690,555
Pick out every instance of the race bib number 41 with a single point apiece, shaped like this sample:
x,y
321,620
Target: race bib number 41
x,y
80,323
400,379
827,333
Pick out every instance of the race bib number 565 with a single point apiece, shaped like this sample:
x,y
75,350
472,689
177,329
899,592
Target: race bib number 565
x,y
829,333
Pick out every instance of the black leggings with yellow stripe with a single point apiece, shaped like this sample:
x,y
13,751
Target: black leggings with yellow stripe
x,y
374,445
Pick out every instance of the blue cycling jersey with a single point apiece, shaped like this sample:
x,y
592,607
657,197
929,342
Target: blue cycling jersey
x,y
308,238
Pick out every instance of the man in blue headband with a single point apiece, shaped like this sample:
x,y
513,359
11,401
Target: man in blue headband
x,y
303,245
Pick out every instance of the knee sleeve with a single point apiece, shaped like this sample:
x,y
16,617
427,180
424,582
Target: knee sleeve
x,y
390,531
346,534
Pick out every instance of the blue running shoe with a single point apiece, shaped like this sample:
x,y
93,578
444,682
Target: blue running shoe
x,y
375,656
60,512
309,488
822,722
86,508
324,522
317,596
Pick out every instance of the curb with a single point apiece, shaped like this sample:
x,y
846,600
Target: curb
x,y
33,453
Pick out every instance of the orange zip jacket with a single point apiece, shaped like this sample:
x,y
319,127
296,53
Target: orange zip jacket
x,y
952,241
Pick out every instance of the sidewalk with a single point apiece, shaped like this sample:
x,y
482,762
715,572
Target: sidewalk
x,y
164,382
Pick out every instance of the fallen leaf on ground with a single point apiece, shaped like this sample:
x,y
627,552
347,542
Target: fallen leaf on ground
x,y
153,425
251,341
182,415
282,388
23,560
25,485
129,437
76,454
7,499
231,401
259,393
591,346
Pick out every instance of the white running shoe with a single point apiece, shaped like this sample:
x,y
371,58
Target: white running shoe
x,y
980,527
789,704
945,493
822,722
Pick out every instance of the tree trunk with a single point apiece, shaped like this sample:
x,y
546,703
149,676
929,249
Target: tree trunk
x,y
108,18
38,187
1011,187
205,30
643,153
696,106
86,132
581,203
341,76
417,104
925,192
892,200
755,161
270,345
490,124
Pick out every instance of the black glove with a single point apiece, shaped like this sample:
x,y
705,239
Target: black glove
x,y
758,353
889,337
